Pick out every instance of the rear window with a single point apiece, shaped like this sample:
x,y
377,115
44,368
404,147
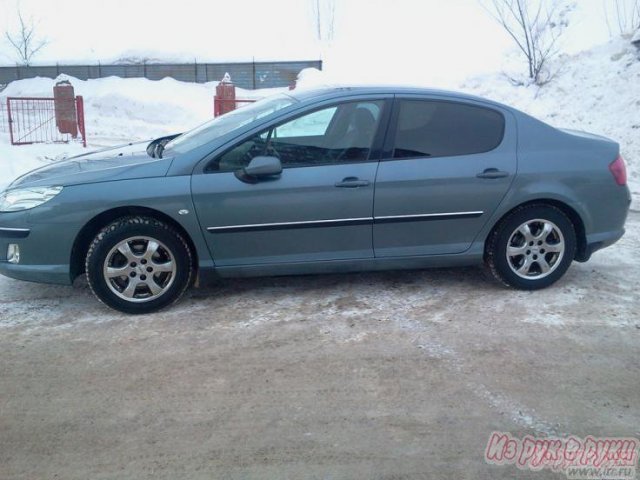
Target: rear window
x,y
445,129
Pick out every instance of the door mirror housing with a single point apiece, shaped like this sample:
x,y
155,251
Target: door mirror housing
x,y
260,168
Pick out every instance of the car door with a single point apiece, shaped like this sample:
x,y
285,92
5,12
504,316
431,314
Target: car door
x,y
446,167
318,209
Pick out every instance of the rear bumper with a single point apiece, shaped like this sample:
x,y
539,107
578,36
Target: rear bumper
x,y
599,241
607,215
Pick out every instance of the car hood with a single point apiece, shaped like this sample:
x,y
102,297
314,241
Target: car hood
x,y
117,163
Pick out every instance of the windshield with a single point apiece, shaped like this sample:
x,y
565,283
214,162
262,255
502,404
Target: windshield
x,y
228,122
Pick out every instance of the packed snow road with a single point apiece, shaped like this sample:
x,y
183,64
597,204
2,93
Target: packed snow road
x,y
383,375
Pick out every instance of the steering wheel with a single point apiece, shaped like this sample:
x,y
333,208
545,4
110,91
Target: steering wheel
x,y
271,151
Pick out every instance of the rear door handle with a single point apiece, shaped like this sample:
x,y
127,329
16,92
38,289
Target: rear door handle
x,y
492,173
352,182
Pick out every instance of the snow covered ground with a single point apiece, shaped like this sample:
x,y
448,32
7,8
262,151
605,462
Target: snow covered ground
x,y
371,375
597,91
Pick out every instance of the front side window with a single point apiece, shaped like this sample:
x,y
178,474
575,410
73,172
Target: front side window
x,y
338,134
444,129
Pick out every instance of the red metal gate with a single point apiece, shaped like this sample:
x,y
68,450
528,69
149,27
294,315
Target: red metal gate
x,y
37,120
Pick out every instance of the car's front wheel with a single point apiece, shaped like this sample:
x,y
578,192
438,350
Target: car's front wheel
x,y
138,265
532,247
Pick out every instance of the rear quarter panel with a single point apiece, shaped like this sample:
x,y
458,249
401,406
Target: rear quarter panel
x,y
570,168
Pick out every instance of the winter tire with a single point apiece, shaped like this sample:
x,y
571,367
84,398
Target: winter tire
x,y
532,247
138,265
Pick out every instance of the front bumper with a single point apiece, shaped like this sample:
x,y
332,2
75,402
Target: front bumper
x,y
7,232
40,254
58,274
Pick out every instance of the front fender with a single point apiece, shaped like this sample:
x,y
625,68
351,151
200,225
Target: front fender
x,y
56,225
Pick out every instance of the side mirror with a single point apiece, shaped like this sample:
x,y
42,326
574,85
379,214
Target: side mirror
x,y
260,168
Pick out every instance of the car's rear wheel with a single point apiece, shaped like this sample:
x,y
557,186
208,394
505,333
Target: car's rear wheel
x,y
532,247
138,265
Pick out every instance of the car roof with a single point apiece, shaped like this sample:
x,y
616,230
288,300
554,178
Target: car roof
x,y
304,94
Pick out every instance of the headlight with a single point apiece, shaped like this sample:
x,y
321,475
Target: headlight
x,y
25,198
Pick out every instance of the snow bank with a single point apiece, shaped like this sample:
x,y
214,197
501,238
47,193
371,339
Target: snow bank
x,y
118,109
312,78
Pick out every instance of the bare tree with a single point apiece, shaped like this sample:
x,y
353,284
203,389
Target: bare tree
x,y
536,27
323,13
622,16
25,41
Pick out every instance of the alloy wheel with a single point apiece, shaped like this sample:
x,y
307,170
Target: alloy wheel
x,y
535,249
139,269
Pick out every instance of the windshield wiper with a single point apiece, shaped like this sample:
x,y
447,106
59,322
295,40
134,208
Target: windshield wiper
x,y
157,152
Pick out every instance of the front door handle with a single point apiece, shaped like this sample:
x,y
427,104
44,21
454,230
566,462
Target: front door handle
x,y
492,173
352,182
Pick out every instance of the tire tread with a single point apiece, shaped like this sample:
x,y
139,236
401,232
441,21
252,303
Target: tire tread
x,y
491,246
137,220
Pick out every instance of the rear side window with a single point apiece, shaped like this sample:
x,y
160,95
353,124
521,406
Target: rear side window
x,y
445,129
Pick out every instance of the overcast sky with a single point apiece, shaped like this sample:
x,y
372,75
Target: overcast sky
x,y
437,38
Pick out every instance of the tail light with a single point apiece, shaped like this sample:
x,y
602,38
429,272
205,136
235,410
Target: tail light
x,y
619,170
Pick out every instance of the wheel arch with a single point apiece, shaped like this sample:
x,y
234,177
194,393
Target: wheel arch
x,y
88,232
577,221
